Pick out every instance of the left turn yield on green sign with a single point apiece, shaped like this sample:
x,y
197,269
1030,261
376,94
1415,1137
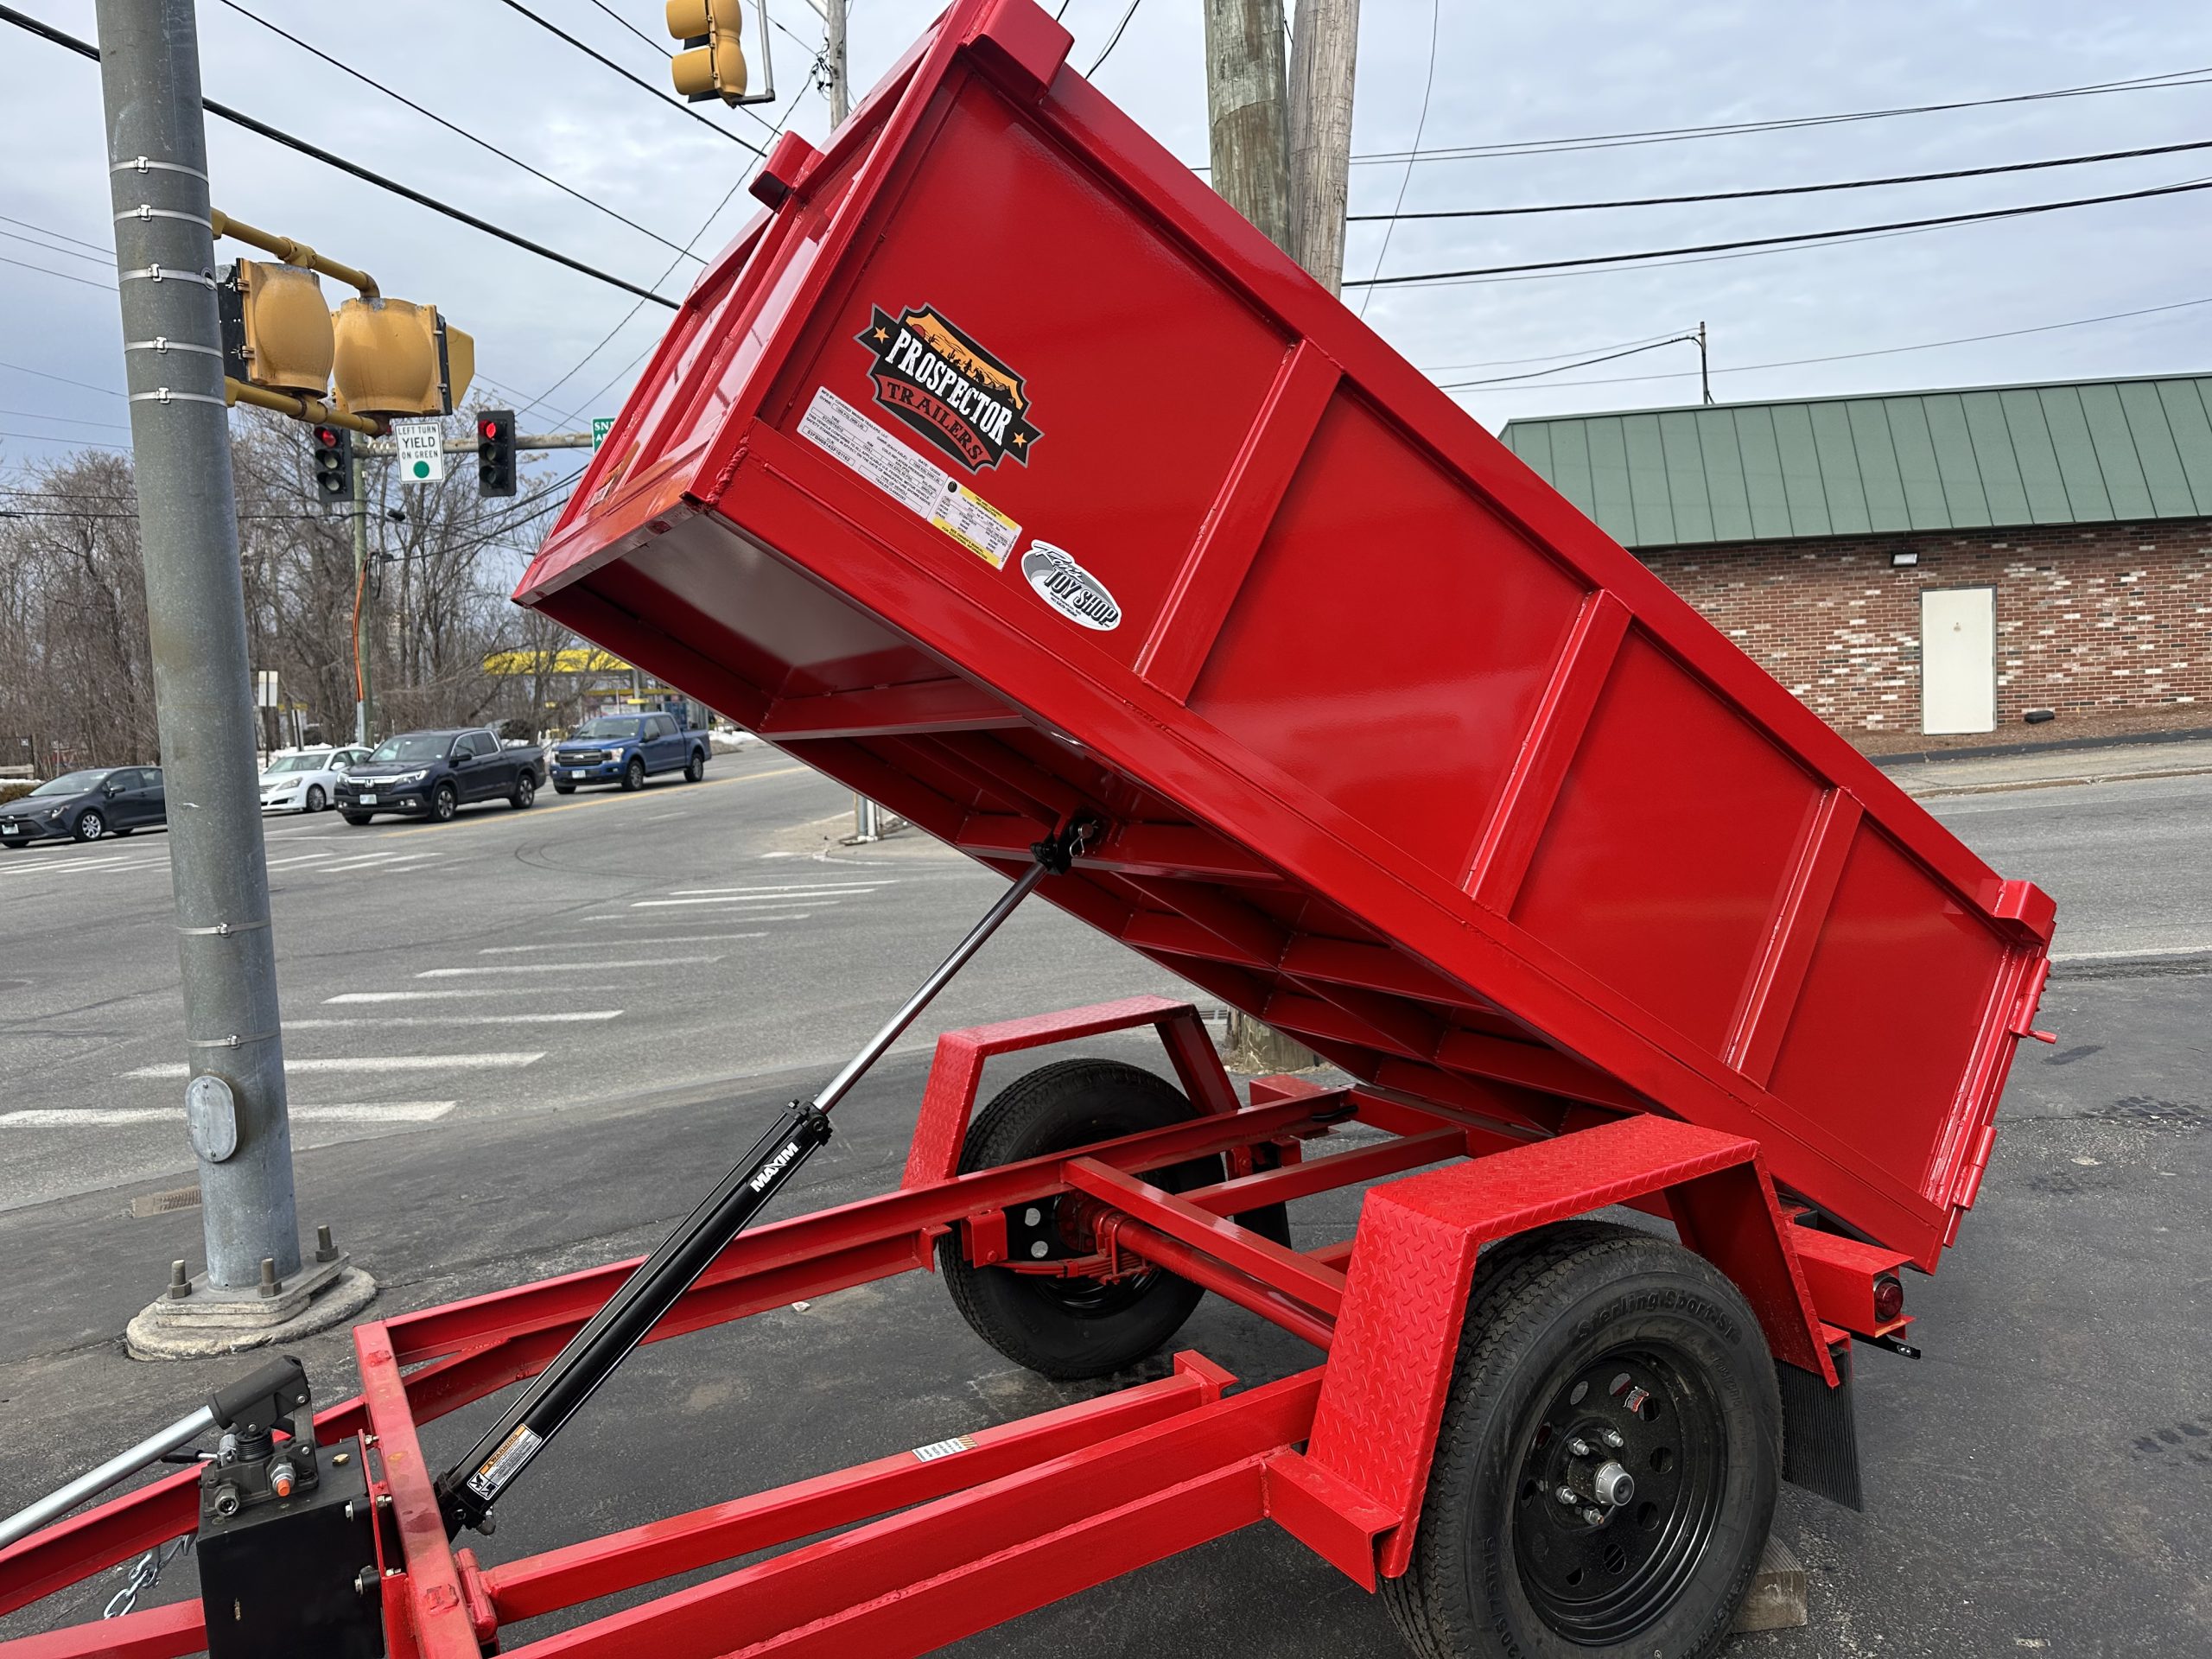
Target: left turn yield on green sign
x,y
421,449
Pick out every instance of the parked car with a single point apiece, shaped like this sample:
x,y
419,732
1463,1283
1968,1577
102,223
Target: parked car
x,y
87,806
432,774
305,780
627,749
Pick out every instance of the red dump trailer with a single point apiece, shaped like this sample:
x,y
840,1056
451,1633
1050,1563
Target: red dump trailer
x,y
1003,473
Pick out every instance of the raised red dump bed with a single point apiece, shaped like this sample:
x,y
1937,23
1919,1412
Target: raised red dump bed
x,y
1002,471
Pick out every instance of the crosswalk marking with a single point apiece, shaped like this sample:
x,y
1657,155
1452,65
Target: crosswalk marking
x,y
386,859
488,1062
794,889
388,1111
778,908
600,966
579,944
579,1016
472,995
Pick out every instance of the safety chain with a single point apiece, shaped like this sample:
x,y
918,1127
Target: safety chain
x,y
145,1573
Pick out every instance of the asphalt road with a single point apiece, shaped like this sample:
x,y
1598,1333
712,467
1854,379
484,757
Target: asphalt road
x,y
587,949
2037,1483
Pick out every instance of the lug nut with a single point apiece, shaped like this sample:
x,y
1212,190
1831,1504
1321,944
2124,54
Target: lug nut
x,y
179,1282
1612,1438
1567,1496
1595,1517
1579,1446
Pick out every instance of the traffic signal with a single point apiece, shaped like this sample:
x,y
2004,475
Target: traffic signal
x,y
276,330
332,448
393,356
714,65
495,452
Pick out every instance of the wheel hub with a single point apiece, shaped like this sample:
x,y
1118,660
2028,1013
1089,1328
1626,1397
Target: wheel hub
x,y
1619,1491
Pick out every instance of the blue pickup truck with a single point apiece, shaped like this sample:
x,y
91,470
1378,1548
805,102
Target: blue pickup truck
x,y
627,749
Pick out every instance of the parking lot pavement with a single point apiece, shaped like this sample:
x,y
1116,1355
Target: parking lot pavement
x,y
508,960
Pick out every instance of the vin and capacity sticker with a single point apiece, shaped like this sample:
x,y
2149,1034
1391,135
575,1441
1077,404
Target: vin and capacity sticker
x,y
832,424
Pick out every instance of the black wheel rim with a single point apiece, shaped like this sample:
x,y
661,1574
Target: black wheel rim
x,y
1599,1572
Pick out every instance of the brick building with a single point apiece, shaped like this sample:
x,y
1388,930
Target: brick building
x,y
1939,561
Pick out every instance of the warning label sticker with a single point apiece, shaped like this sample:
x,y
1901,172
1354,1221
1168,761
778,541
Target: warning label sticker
x,y
937,1449
832,424
503,1464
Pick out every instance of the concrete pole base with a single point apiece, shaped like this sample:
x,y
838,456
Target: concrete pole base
x,y
206,1323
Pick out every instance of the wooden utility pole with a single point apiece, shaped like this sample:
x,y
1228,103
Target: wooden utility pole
x,y
833,60
1248,125
1248,144
1322,63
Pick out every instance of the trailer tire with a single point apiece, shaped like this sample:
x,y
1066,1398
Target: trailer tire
x,y
1500,1567
1074,1328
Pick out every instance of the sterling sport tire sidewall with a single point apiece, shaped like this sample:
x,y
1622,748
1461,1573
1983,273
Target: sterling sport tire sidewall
x,y
1548,1309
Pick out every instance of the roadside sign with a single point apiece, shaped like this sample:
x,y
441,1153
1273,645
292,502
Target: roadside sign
x,y
264,687
421,450
599,429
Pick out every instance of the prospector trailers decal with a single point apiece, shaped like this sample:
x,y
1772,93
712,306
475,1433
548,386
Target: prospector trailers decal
x,y
939,381
1069,588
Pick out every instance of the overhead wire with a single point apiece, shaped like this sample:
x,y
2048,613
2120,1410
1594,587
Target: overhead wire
x,y
1880,350
1399,216
1551,356
276,134
1420,126
2162,81
1099,62
66,276
1798,239
432,115
650,90
1609,357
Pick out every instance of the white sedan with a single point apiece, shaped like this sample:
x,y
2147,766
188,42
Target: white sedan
x,y
306,780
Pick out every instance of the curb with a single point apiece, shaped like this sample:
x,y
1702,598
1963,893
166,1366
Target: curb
x,y
2049,746
1938,790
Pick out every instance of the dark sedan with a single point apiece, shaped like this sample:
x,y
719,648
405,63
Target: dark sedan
x,y
87,806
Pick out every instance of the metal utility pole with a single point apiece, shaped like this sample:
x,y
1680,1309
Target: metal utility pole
x,y
1322,62
833,59
1248,129
173,351
364,662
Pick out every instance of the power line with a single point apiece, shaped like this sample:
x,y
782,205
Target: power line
x,y
2172,78
1538,374
66,276
432,115
47,247
1550,357
650,90
1101,59
1800,238
1420,126
100,249
1882,351
85,49
1774,190
63,420
20,368
82,443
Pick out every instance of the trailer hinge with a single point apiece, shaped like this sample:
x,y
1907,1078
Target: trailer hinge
x,y
2023,1015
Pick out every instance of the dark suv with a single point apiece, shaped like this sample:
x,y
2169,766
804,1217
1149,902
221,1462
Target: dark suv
x,y
432,774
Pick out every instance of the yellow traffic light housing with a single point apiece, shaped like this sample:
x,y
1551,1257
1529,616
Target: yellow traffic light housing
x,y
393,356
277,330
715,64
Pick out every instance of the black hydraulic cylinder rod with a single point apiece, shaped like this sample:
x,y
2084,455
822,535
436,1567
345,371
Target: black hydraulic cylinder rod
x,y
467,1491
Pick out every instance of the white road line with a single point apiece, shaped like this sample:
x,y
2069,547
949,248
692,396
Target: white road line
x,y
797,890
585,944
747,907
573,1017
381,858
474,993
562,967
300,858
390,1111
510,1061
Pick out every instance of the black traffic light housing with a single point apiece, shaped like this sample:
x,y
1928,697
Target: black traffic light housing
x,y
495,452
333,448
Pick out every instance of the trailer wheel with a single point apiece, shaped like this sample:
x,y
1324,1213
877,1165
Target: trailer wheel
x,y
1070,1328
1594,1356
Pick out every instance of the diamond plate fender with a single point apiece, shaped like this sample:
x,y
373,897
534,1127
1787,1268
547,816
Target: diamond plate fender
x,y
1412,1264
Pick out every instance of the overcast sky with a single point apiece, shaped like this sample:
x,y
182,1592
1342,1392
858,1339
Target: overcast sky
x,y
1502,73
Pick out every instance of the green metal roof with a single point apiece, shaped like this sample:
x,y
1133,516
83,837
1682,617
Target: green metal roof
x,y
2086,452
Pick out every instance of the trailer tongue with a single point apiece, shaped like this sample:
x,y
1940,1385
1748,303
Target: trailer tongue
x,y
1002,474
